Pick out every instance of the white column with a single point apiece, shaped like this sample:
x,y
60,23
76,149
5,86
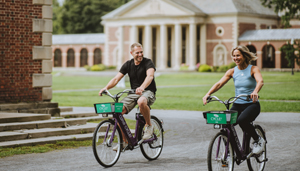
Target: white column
x,y
178,46
64,59
133,34
121,83
77,59
163,46
106,47
90,58
120,47
148,41
192,46
203,44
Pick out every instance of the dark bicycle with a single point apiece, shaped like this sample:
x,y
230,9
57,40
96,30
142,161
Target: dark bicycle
x,y
225,148
107,136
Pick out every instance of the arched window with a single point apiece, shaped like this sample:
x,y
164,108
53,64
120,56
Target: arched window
x,y
284,61
253,50
268,55
83,57
70,58
97,56
57,58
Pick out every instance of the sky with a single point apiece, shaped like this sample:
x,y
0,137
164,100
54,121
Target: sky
x,y
60,2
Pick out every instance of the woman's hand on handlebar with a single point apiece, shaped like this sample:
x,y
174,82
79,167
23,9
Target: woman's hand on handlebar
x,y
254,96
204,99
101,91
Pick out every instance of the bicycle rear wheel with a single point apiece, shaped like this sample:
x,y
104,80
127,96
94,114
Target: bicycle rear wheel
x,y
102,148
216,153
255,162
152,150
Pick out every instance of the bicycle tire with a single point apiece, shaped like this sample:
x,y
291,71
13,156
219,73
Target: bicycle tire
x,y
103,151
152,151
253,164
216,161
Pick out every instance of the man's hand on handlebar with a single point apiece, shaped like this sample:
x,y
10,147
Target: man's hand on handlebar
x,y
139,91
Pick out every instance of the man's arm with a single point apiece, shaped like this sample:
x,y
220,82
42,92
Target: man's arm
x,y
112,83
147,81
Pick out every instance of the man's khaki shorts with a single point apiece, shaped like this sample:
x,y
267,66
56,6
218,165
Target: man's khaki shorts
x,y
130,101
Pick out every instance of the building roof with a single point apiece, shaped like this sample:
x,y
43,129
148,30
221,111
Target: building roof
x,y
94,38
270,34
206,7
233,6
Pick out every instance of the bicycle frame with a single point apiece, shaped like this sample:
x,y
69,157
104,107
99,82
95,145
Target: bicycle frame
x,y
133,140
240,150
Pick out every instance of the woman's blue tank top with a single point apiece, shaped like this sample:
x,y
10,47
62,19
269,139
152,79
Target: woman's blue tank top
x,y
244,83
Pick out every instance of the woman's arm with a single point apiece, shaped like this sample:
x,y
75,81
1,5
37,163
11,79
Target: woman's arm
x,y
255,72
228,75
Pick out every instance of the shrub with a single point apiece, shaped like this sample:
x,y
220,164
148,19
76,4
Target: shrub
x,y
232,65
223,68
184,67
88,68
205,68
215,68
99,67
111,67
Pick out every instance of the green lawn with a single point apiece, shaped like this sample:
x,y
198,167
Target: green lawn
x,y
184,91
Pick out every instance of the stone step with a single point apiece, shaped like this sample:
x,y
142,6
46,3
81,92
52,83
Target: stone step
x,y
66,109
77,114
52,123
22,117
46,132
49,140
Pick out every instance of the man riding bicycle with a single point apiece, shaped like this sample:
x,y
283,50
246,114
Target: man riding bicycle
x,y
141,74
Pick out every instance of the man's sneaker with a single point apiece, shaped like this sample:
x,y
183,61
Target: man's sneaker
x,y
148,132
259,146
117,146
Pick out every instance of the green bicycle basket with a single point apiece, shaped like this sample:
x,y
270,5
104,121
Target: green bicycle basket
x,y
108,108
220,117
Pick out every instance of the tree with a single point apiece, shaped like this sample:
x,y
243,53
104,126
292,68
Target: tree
x,y
288,9
291,52
82,16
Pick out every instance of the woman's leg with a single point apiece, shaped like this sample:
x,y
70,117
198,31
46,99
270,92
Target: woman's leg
x,y
248,115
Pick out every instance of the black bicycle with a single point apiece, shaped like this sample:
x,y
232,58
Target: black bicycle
x,y
108,141
225,148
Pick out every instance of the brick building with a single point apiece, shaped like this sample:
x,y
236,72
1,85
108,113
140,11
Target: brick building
x,y
176,32
26,54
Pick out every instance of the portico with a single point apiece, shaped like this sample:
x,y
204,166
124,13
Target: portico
x,y
170,38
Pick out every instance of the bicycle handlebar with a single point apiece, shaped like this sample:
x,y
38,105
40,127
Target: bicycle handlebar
x,y
118,95
210,99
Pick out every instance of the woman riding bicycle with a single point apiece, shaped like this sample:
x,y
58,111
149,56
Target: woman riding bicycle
x,y
247,80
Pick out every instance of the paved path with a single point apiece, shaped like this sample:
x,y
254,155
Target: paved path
x,y
185,148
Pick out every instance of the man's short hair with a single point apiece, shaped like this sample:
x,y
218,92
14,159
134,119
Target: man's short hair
x,y
135,45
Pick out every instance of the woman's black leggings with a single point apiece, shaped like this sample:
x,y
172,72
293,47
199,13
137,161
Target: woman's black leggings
x,y
247,113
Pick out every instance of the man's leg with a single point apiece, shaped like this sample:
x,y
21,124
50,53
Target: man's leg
x,y
144,109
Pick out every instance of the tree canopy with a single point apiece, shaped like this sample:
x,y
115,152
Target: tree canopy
x,y
288,9
82,16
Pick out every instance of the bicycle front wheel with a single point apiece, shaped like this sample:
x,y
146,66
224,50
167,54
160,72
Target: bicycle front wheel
x,y
104,142
152,150
257,162
216,158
